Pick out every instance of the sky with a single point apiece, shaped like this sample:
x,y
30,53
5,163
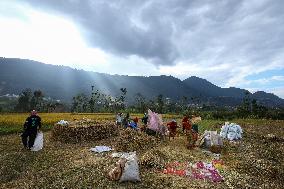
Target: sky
x,y
231,43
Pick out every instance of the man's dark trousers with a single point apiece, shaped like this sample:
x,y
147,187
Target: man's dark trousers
x,y
28,137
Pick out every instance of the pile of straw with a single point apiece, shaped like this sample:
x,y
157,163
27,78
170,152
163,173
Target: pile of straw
x,y
84,130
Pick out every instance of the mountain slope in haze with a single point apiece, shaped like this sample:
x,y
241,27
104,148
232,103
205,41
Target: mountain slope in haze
x,y
230,96
61,82
209,89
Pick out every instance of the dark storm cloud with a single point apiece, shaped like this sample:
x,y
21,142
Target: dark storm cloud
x,y
166,31
112,27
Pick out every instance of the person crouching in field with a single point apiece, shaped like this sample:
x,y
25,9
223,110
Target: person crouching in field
x,y
136,121
144,121
162,132
172,128
192,135
125,120
118,119
186,125
31,127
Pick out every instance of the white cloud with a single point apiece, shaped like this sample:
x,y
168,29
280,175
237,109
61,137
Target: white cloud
x,y
278,78
279,91
47,38
223,42
262,81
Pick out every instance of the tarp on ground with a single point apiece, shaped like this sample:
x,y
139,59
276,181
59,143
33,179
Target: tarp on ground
x,y
199,170
100,149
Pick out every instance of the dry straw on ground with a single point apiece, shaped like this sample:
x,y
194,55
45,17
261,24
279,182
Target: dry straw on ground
x,y
84,130
256,162
153,159
132,140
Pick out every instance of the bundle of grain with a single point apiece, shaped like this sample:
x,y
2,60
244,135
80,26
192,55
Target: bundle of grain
x,y
131,140
216,149
84,130
153,159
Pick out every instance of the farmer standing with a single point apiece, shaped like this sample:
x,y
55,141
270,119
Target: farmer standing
x,y
31,127
192,136
172,128
125,120
186,124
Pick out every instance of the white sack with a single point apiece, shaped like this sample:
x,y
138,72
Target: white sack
x,y
131,169
224,130
231,131
214,138
62,122
232,135
38,144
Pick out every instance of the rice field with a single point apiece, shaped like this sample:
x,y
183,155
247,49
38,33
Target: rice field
x,y
13,123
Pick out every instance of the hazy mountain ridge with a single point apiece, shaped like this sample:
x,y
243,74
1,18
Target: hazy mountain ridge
x,y
61,82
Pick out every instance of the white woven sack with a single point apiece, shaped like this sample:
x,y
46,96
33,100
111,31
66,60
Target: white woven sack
x,y
214,138
224,131
131,170
38,144
232,136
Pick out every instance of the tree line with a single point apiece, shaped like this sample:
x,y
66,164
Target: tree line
x,y
35,100
97,101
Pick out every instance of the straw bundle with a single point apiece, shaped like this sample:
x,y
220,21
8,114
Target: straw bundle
x,y
131,140
84,130
153,159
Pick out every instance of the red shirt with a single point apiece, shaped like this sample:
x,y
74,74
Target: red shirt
x,y
172,125
135,120
185,119
187,125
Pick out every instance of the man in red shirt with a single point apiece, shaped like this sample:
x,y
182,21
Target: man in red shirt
x,y
192,135
172,128
186,124
135,120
